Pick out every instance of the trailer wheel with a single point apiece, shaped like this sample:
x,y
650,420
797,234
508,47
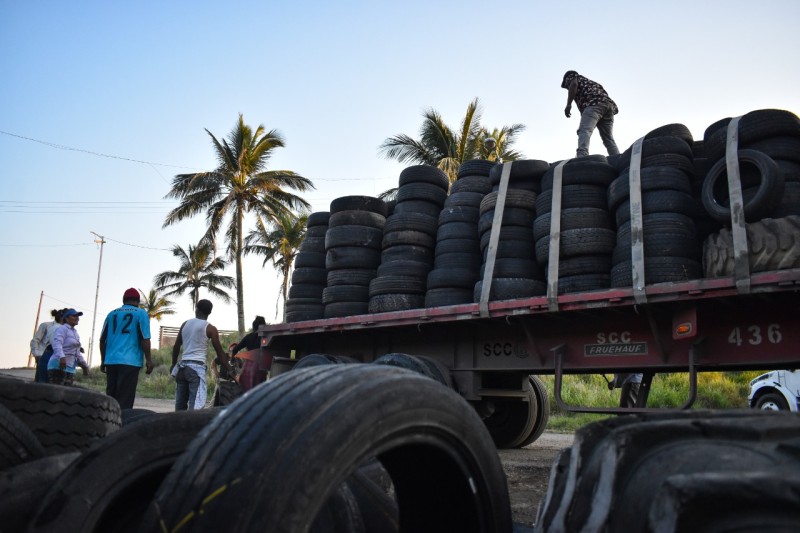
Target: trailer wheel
x,y
624,470
516,423
285,448
111,484
772,401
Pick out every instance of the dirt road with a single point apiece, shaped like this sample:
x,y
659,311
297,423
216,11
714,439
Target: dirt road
x,y
527,469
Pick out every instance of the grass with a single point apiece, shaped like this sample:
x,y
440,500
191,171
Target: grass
x,y
715,390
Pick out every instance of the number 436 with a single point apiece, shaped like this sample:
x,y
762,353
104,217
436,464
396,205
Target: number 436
x,y
753,335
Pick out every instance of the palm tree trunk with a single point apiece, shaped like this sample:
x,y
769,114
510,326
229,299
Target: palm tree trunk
x,y
239,274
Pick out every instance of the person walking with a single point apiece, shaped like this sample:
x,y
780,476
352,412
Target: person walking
x,y
40,344
190,372
125,339
597,111
67,351
630,385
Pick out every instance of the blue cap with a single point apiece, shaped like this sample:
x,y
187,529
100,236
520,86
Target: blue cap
x,y
71,312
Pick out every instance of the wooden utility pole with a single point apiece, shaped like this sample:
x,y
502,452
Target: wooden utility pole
x,y
35,325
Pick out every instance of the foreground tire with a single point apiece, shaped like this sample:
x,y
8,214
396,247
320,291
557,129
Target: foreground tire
x,y
110,485
18,444
632,467
285,448
64,419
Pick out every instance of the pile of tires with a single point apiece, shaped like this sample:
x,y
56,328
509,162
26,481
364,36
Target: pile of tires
x,y
352,253
691,471
672,250
586,236
769,154
457,255
411,455
44,429
309,276
409,237
516,273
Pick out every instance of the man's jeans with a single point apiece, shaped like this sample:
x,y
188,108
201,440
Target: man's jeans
x,y
602,117
190,387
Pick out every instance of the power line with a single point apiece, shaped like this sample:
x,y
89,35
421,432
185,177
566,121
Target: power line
x,y
91,152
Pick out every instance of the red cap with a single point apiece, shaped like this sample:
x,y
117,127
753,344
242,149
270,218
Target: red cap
x,y
131,294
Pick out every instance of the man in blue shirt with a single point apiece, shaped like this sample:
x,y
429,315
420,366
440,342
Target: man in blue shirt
x,y
125,338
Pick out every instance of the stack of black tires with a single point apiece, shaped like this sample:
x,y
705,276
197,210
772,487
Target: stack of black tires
x,y
309,275
409,237
586,237
769,168
516,273
352,253
457,260
672,249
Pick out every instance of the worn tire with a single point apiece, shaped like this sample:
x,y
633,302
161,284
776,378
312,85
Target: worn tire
x,y
772,244
448,296
287,432
511,289
636,461
18,444
110,486
579,241
423,174
359,203
658,270
64,419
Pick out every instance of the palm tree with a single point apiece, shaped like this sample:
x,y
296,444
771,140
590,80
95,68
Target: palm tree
x,y
279,242
239,185
197,269
156,305
445,148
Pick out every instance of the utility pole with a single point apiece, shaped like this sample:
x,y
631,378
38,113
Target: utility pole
x,y
35,325
101,242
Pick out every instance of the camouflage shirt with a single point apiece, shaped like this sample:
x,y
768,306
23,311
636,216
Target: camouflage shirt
x,y
588,93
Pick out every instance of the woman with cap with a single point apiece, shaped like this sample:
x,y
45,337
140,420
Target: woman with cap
x,y
66,351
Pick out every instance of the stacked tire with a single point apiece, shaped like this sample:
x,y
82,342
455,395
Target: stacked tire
x,y
409,237
516,273
352,253
457,256
769,164
309,275
586,237
672,249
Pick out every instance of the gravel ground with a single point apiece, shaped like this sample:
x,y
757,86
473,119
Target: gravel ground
x,y
527,469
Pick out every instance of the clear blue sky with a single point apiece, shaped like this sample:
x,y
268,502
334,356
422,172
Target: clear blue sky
x,y
141,80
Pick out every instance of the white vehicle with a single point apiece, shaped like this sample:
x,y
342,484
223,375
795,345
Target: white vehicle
x,y
778,390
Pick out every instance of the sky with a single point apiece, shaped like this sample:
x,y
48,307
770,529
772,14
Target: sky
x,y
103,103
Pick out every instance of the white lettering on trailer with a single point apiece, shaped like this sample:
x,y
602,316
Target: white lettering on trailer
x,y
754,336
614,337
630,348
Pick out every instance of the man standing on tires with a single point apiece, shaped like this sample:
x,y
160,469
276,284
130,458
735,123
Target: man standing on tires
x,y
123,342
190,373
597,111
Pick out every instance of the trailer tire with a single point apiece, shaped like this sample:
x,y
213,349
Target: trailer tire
x,y
411,222
658,270
513,423
578,242
64,419
451,246
573,196
397,285
110,486
772,244
583,283
464,199
512,217
511,289
349,276
338,309
660,201
421,191
404,268
361,236
573,218
310,259
409,237
318,218
309,275
407,252
458,213
352,257
287,432
653,178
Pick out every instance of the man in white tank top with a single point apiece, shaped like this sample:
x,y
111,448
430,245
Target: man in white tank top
x,y
190,373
